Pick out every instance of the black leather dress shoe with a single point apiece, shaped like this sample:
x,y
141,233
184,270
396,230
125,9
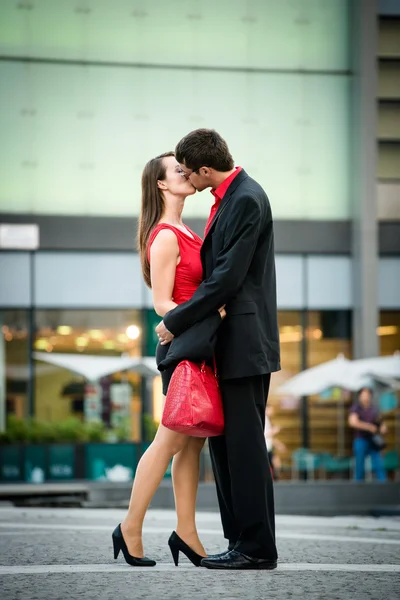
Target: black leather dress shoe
x,y
237,560
224,553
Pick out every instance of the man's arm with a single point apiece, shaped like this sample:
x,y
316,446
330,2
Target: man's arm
x,y
231,268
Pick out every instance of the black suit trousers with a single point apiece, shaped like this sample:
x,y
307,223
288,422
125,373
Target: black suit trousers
x,y
241,468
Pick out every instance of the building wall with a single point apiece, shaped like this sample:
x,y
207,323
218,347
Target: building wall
x,y
112,280
109,86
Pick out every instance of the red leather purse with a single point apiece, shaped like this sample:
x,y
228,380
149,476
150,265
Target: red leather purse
x,y
193,404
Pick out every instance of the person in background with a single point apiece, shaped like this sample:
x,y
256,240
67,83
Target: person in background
x,y
273,444
365,420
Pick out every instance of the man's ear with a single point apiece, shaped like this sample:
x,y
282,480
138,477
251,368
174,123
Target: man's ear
x,y
205,171
161,184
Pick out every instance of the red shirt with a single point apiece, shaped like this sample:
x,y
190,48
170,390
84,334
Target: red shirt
x,y
189,271
218,194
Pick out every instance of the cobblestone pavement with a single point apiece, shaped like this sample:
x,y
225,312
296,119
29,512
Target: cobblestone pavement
x,y
51,554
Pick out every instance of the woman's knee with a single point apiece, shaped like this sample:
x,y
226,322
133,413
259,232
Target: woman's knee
x,y
170,441
196,444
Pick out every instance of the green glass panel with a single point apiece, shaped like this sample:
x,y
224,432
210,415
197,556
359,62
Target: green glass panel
x,y
35,464
10,460
284,34
110,462
290,132
61,462
151,321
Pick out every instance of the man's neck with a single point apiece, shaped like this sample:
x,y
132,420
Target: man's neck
x,y
220,176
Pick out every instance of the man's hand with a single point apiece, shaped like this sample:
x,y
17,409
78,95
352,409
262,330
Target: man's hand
x,y
163,334
222,311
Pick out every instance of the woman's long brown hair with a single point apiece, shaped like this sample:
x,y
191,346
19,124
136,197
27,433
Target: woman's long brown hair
x,y
152,208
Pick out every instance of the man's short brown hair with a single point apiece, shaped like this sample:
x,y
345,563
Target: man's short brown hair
x,y
204,148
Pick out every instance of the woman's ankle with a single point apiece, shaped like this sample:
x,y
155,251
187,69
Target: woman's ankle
x,y
131,528
185,531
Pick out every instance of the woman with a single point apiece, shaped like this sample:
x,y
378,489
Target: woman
x,y
171,265
365,419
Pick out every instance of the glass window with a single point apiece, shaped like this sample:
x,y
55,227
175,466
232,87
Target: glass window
x,y
328,335
389,332
60,393
14,362
284,412
388,399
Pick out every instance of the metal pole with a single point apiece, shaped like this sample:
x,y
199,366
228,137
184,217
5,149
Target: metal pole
x,y
305,428
2,377
341,425
31,338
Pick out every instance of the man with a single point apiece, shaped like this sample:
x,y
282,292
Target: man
x,y
366,421
239,272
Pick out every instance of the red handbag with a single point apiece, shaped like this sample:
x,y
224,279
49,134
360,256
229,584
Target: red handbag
x,y
193,403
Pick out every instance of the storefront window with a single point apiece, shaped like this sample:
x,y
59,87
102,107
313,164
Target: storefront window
x,y
284,412
14,362
328,336
60,392
389,332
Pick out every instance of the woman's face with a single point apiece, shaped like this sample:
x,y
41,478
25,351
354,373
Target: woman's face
x,y
174,181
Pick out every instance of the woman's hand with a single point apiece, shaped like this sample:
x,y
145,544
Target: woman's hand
x,y
222,311
383,429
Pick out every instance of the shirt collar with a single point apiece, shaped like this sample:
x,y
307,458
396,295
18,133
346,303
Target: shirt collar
x,y
221,190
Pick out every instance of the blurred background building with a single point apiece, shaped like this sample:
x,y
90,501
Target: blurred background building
x,y
307,94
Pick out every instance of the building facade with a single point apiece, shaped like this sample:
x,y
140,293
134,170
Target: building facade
x,y
306,93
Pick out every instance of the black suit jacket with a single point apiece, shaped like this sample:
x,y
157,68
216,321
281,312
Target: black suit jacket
x,y
239,271
196,344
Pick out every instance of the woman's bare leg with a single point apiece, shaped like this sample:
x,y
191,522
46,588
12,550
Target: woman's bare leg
x,y
185,478
149,473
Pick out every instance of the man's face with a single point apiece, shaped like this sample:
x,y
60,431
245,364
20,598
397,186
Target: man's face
x,y
200,179
365,398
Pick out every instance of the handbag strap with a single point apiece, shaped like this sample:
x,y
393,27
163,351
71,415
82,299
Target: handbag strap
x,y
203,364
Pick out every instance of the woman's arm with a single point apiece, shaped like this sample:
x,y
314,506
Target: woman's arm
x,y
356,423
164,256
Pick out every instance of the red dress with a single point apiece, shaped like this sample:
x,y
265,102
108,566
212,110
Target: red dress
x,y
189,271
188,276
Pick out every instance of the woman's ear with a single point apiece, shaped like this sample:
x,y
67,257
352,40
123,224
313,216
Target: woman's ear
x,y
161,184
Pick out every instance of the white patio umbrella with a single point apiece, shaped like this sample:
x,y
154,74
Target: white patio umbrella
x,y
343,373
380,366
94,367
317,379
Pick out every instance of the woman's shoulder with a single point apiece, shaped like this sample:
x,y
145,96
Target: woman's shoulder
x,y
163,238
163,233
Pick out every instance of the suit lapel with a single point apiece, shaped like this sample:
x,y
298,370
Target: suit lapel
x,y
225,200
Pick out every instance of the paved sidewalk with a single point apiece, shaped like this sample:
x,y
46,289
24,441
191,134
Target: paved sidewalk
x,y
66,553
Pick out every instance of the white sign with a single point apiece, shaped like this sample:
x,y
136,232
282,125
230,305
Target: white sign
x,y
19,237
120,396
92,406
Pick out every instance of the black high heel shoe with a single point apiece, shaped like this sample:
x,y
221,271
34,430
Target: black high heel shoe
x,y
176,545
119,544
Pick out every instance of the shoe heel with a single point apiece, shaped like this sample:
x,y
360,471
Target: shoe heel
x,y
175,554
117,547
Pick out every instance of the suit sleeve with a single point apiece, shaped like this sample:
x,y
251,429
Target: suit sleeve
x,y
232,265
